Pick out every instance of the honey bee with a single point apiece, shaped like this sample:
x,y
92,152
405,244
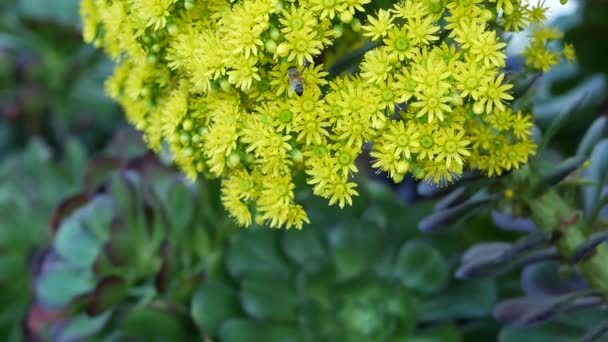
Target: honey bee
x,y
295,80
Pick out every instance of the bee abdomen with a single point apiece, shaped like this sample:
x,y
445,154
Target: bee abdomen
x,y
299,89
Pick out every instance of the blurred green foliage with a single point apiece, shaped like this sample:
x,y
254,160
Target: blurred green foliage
x,y
31,185
51,85
150,251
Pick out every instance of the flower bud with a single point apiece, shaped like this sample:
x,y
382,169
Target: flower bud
x,y
270,45
172,29
338,31
189,4
282,50
275,34
355,25
184,138
233,160
478,108
297,156
152,58
225,85
398,177
403,166
346,17
187,125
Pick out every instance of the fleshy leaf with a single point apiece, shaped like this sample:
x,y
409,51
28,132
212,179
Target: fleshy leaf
x,y
213,303
268,297
421,267
245,330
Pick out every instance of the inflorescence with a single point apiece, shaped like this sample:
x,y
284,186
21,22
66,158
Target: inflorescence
x,y
209,81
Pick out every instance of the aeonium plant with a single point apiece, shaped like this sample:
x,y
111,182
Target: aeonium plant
x,y
561,207
261,93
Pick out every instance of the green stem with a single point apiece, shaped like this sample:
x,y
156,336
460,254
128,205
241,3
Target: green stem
x,y
551,212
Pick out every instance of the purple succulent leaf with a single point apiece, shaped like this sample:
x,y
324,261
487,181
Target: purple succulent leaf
x,y
508,222
543,280
596,333
485,251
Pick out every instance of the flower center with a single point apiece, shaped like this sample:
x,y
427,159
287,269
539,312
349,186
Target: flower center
x,y
492,93
297,23
320,151
301,45
471,83
402,140
450,146
426,141
345,158
336,111
410,85
308,105
311,126
402,44
285,116
501,120
276,141
388,95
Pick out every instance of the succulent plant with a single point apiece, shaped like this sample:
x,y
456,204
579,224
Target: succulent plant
x,y
561,207
353,280
32,182
128,250
143,254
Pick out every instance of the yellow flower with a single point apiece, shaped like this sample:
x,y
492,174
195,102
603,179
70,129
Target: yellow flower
x,y
492,93
422,30
297,19
569,53
378,27
243,74
451,147
410,9
400,140
153,13
302,45
469,79
376,66
327,8
487,49
400,43
521,125
340,190
432,105
518,19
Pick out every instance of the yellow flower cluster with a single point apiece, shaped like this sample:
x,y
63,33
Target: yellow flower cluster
x,y
209,81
